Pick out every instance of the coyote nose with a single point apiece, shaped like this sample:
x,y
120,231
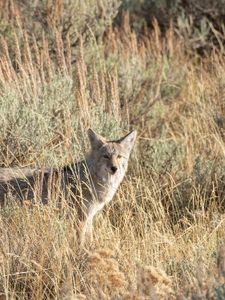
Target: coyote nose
x,y
113,169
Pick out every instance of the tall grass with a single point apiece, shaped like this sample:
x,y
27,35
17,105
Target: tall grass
x,y
162,237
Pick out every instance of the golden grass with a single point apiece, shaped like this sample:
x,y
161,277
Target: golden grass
x,y
162,236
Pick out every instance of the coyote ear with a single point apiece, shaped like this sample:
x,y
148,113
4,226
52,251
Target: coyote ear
x,y
96,140
128,140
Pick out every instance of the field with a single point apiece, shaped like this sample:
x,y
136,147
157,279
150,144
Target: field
x,y
64,69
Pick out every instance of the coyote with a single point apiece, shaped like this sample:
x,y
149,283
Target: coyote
x,y
88,185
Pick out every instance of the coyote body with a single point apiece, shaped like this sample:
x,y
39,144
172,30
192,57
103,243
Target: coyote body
x,y
88,185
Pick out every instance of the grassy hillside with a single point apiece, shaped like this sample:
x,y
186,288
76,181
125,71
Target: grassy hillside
x,y
64,68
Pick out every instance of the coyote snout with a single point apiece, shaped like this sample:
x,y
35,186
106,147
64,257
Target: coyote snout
x,y
111,162
113,169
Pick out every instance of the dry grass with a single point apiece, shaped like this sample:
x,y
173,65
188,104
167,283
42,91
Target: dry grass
x,y
162,237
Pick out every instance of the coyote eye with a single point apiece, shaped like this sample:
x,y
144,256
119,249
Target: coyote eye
x,y
106,156
119,156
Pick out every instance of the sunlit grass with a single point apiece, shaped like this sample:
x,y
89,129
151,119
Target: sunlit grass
x,y
162,236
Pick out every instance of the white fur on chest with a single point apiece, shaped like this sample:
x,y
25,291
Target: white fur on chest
x,y
107,194
94,208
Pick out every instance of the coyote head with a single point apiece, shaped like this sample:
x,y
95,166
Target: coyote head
x,y
108,158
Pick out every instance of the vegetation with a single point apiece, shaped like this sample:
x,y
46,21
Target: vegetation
x,y
68,65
